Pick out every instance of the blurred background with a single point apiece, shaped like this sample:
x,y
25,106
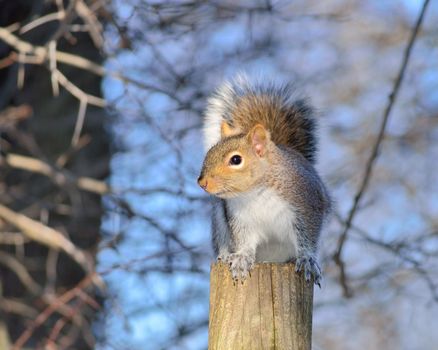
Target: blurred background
x,y
104,234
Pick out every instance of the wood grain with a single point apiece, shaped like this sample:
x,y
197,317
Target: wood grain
x,y
272,309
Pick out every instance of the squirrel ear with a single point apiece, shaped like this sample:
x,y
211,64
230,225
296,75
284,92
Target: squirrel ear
x,y
227,130
259,138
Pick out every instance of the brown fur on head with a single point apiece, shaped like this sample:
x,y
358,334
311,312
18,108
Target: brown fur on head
x,y
237,163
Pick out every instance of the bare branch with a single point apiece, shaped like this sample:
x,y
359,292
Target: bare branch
x,y
16,307
52,66
40,54
45,235
376,147
94,26
21,271
12,115
59,177
76,92
79,122
57,16
21,71
13,238
55,305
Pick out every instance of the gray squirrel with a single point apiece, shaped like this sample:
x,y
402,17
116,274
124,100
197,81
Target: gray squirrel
x,y
269,203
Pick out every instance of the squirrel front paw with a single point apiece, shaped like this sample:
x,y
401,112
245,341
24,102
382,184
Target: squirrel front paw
x,y
223,257
310,267
240,265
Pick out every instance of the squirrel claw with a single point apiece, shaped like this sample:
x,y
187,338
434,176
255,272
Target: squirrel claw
x,y
310,268
222,257
240,265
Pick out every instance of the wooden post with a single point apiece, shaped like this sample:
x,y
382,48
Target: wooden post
x,y
271,309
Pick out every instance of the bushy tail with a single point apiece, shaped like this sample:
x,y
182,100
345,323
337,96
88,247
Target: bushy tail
x,y
289,118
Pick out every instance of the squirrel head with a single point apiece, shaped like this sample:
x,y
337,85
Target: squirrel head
x,y
237,163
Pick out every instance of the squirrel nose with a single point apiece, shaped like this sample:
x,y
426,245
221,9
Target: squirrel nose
x,y
202,181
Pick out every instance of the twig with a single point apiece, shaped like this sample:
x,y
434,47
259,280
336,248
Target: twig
x,y
21,70
52,67
21,272
12,115
51,273
78,93
69,16
45,235
8,60
132,262
375,151
79,122
59,177
56,16
40,53
63,159
56,304
16,307
397,250
88,16
12,238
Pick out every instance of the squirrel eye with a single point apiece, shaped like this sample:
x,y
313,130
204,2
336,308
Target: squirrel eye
x,y
235,160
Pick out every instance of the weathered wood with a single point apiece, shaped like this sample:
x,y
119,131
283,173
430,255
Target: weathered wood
x,y
271,309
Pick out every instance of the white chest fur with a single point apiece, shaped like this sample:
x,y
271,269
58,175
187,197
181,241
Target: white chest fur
x,y
267,221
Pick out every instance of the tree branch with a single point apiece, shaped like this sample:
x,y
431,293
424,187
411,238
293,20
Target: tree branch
x,y
59,177
375,150
45,235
